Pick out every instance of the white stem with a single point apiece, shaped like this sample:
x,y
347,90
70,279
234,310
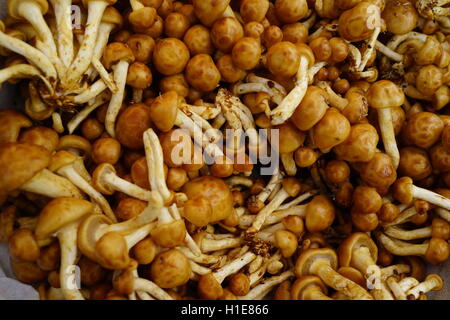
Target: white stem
x,y
403,234
265,212
120,78
431,197
48,184
93,91
265,287
155,163
388,135
140,284
128,188
104,74
287,107
334,99
36,57
64,27
208,245
18,71
73,124
83,59
370,48
70,173
68,243
395,288
391,54
402,248
234,266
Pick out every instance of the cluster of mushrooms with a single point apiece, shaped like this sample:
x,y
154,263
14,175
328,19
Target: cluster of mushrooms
x,y
94,205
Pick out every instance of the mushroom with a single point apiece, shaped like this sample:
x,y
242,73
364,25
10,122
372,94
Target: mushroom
x,y
127,283
19,71
376,96
359,251
83,59
436,251
209,285
62,9
433,282
66,164
323,263
117,56
309,288
439,229
287,107
170,269
260,291
111,20
25,169
60,218
12,121
36,57
106,181
405,191
209,11
33,11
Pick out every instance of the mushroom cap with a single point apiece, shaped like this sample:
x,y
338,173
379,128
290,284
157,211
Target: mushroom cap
x,y
216,191
115,52
305,282
170,269
438,251
61,159
131,125
402,190
59,213
385,94
41,136
139,75
19,162
11,121
353,242
72,141
164,109
87,234
13,7
98,178
438,279
307,257
360,144
112,16
208,11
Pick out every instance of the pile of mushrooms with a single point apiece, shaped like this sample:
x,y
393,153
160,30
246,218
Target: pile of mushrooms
x,y
232,149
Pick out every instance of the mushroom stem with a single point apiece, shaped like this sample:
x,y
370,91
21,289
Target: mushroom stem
x,y
120,78
334,99
191,244
155,163
444,214
288,163
323,269
404,216
207,111
432,282
70,173
293,204
147,286
266,286
104,30
382,293
33,14
73,124
104,75
68,242
388,134
63,17
396,269
403,234
395,288
126,187
18,71
233,267
287,107
370,48
208,245
93,91
265,212
83,59
35,56
402,248
201,258
431,197
48,184
407,283
391,54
